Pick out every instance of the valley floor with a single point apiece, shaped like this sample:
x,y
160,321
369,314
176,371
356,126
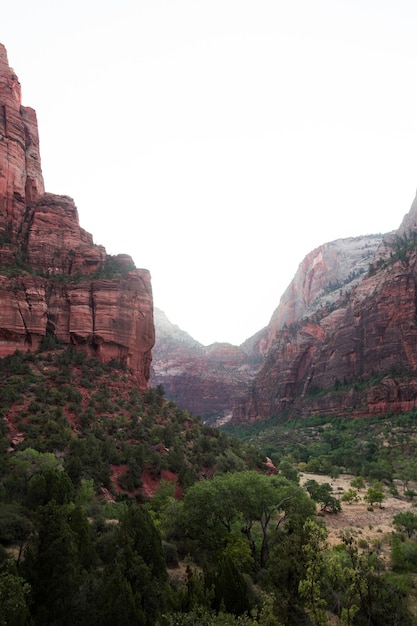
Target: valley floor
x,y
356,518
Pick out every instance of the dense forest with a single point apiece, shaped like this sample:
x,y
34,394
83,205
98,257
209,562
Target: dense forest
x,y
119,508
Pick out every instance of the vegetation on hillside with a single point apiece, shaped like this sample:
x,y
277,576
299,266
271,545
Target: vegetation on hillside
x,y
379,448
116,507
402,247
112,268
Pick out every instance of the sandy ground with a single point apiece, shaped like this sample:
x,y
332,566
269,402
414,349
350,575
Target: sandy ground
x,y
355,518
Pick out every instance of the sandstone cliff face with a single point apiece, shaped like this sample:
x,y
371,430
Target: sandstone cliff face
x,y
206,380
324,276
355,357
21,181
53,279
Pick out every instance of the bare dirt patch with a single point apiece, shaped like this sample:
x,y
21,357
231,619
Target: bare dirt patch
x,y
356,519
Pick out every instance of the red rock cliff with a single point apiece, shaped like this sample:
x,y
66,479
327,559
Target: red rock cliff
x,y
354,357
21,181
53,279
325,274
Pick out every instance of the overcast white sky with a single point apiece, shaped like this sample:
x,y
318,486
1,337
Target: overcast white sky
x,y
219,141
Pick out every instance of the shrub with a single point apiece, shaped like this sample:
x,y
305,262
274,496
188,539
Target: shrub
x,y
404,556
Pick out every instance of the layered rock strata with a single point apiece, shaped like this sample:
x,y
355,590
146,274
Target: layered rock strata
x,y
53,279
356,356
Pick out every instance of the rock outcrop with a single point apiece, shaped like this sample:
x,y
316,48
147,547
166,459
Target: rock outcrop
x,y
206,380
356,356
53,279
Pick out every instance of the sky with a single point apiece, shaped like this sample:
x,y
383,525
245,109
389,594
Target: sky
x,y
219,141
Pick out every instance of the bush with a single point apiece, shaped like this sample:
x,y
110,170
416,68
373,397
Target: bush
x,y
404,556
351,495
14,526
171,554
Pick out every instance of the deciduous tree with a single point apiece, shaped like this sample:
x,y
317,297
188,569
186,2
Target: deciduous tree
x,y
406,521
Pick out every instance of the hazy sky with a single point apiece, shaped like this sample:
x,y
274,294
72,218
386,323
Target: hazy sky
x,y
219,141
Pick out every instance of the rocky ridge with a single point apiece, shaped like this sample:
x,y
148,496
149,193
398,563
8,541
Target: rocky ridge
x,y
54,281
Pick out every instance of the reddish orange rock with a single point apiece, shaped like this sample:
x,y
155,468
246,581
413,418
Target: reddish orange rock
x,y
53,279
21,181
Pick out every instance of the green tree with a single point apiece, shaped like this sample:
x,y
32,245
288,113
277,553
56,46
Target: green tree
x,y
116,600
340,585
23,467
357,482
323,494
52,568
135,563
311,586
375,495
351,495
211,508
288,563
52,484
229,462
79,524
380,470
208,514
238,550
360,591
407,472
230,588
137,530
406,521
403,555
14,594
15,526
288,470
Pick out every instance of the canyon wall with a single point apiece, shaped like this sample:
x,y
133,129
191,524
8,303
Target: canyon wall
x,y
355,356
54,281
212,381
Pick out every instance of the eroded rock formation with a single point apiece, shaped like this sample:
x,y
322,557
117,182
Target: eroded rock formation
x,y
53,279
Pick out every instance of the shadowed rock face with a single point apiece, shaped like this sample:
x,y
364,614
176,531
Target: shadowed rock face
x,y
357,355
53,279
